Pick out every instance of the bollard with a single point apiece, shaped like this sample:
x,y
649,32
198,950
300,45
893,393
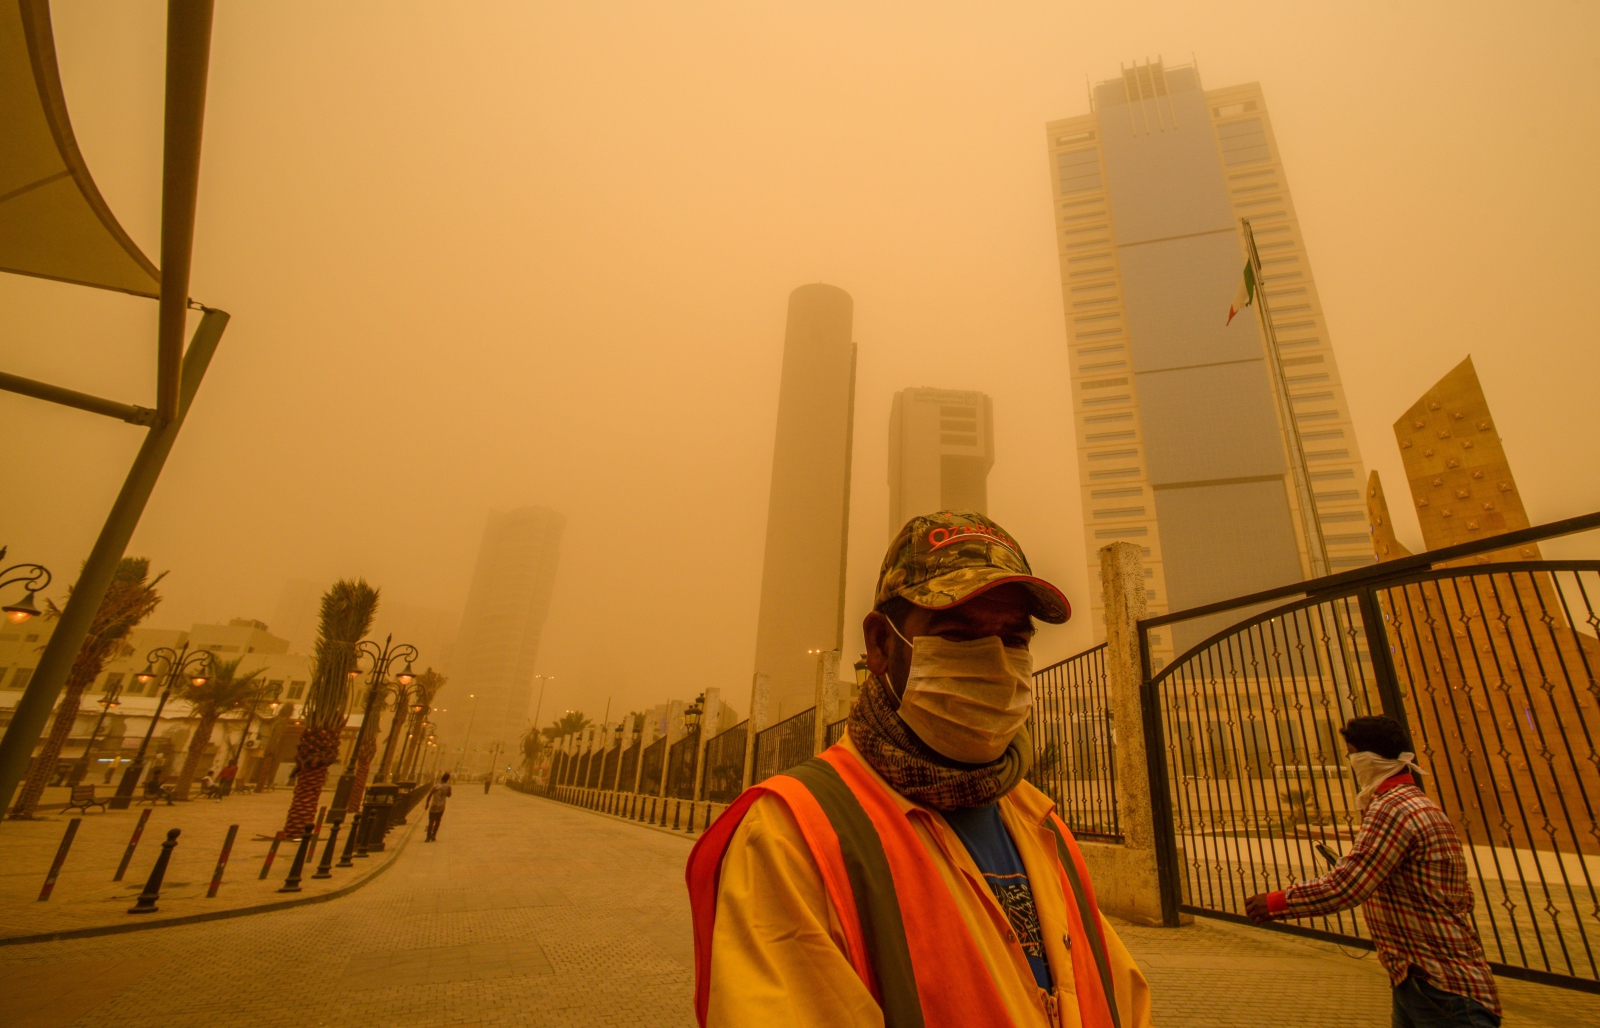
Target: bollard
x,y
350,841
367,818
690,829
222,862
292,883
677,809
316,836
325,869
61,858
272,851
152,885
127,854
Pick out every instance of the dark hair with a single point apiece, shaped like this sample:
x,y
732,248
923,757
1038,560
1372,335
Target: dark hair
x,y
1378,734
445,777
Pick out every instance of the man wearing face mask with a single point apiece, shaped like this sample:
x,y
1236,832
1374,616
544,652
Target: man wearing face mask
x,y
909,876
1408,868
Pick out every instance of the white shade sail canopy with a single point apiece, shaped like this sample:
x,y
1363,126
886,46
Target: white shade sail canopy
x,y
53,221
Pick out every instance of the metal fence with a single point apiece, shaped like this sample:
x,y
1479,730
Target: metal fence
x,y
785,744
682,758
597,763
608,773
1492,667
630,763
724,777
1073,743
834,732
654,760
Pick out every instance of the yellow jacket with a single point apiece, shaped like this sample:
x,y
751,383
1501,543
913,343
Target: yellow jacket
x,y
778,954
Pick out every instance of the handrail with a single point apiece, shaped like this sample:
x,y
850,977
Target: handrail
x,y
1384,570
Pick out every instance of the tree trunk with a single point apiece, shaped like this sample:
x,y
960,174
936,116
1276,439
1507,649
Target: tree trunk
x,y
191,762
364,755
44,765
318,750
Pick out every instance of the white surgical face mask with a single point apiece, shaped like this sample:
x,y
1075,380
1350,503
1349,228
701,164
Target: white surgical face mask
x,y
967,700
1371,771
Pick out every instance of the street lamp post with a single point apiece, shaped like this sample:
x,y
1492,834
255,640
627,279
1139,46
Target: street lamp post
x,y
36,577
81,767
238,753
382,657
180,663
413,739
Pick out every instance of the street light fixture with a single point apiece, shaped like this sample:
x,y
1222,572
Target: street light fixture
x,y
377,684
862,671
36,577
179,663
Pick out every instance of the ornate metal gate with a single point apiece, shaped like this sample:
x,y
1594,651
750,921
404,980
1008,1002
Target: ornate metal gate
x,y
1492,664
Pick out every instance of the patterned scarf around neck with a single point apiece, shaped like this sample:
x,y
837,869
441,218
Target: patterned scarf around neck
x,y
920,773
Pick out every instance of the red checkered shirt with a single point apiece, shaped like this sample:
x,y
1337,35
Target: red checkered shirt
x,y
1407,866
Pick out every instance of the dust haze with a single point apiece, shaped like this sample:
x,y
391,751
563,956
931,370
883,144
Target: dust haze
x,y
481,256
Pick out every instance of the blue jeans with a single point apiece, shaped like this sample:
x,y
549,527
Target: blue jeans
x,y
1419,1005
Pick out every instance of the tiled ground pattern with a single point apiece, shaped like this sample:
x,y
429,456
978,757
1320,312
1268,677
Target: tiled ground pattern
x,y
528,912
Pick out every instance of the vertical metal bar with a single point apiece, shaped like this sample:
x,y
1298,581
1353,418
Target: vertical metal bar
x,y
222,862
127,854
188,60
33,709
1160,790
1383,672
61,858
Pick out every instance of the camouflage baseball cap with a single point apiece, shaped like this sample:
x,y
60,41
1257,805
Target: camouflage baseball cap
x,y
940,560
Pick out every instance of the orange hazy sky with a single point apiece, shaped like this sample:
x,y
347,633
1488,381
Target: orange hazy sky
x,y
481,255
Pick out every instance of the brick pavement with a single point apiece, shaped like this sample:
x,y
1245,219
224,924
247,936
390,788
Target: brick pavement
x,y
529,912
86,897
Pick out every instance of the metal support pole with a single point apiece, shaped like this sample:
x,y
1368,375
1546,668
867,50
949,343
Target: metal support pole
x,y
222,862
272,851
61,858
33,709
133,843
152,886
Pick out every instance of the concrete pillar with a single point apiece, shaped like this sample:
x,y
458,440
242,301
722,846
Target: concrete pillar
x,y
760,708
675,711
827,698
1132,889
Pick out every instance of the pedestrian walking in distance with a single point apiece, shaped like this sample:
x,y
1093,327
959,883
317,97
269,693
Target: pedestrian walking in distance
x,y
436,802
1408,868
909,874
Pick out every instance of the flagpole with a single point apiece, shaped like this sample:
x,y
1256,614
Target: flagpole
x,y
1316,545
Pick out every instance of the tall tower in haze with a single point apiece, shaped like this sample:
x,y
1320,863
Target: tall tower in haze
x,y
1189,428
808,514
941,447
495,653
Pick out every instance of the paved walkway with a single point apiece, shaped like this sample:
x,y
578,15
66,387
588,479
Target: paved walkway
x,y
529,912
86,897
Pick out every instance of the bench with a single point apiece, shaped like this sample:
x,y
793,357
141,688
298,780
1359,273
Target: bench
x,y
83,798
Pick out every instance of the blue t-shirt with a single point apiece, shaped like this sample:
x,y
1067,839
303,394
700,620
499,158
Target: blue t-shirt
x,y
984,834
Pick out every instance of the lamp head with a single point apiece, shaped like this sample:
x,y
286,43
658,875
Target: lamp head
x,y
406,677
146,676
22,610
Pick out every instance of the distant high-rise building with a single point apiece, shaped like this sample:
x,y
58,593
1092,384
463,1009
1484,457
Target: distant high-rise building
x,y
493,663
808,514
941,447
1190,429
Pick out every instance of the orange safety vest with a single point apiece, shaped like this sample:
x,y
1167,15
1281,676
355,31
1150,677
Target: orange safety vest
x,y
903,932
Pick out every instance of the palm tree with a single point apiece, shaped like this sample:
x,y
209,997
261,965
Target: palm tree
x,y
348,608
531,745
224,689
570,722
130,599
423,690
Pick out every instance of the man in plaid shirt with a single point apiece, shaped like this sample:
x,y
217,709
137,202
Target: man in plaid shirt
x,y
1407,866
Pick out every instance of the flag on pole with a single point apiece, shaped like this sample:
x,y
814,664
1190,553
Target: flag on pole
x,y
1246,296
